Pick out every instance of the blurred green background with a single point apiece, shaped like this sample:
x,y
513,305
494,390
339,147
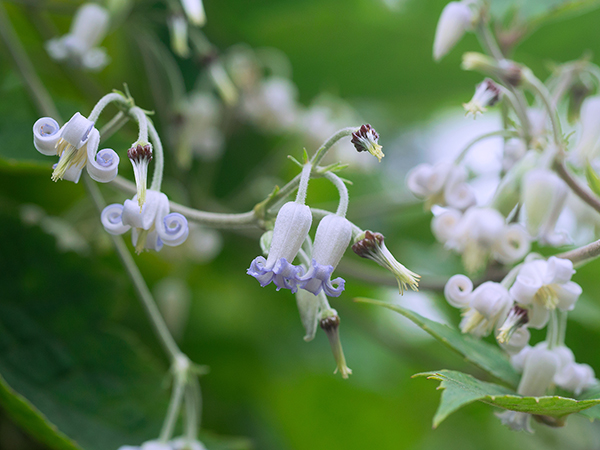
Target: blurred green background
x,y
74,339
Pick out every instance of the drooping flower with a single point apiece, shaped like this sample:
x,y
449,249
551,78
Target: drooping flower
x,y
541,286
588,146
371,246
540,367
151,227
76,143
487,93
79,47
456,19
442,184
331,240
479,234
291,228
483,308
366,139
544,196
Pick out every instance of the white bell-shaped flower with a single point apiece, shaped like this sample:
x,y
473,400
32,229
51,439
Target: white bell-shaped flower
x,y
544,196
442,184
443,225
194,10
273,105
575,377
76,143
489,304
89,27
151,227
456,19
588,146
291,228
539,369
331,240
542,286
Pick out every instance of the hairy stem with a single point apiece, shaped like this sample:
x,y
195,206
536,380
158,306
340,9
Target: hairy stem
x,y
582,192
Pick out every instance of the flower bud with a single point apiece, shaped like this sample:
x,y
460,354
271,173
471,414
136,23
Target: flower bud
x,y
370,245
544,196
456,19
367,139
508,71
588,146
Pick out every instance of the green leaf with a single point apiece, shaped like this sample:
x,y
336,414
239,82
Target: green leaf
x,y
482,354
592,179
30,418
460,389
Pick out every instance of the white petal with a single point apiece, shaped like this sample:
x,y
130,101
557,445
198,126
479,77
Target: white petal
x,y
331,240
194,9
558,270
513,244
445,224
454,21
103,166
90,25
77,130
540,367
528,282
144,219
568,294
491,300
171,228
46,134
111,219
538,316
291,228
458,290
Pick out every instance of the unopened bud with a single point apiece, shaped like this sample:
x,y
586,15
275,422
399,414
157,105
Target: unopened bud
x,y
506,70
367,139
456,19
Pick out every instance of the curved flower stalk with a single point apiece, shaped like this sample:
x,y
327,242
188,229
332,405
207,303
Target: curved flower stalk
x,y
291,229
442,184
456,19
151,227
479,234
542,286
79,47
544,196
483,308
76,143
371,246
540,367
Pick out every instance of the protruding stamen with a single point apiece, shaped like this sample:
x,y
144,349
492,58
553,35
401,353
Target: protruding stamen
x,y
140,156
366,139
517,317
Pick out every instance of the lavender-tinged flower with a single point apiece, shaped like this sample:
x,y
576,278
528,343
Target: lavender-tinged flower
x,y
151,227
79,47
371,246
291,228
76,143
542,286
539,369
332,238
544,196
140,156
487,94
456,19
366,139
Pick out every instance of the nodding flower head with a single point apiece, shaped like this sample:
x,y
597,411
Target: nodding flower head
x,y
79,47
291,228
371,246
541,286
456,19
487,94
333,236
366,139
331,324
76,143
151,227
540,367
140,156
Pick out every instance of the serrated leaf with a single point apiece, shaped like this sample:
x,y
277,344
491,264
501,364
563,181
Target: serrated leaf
x,y
592,179
460,389
480,353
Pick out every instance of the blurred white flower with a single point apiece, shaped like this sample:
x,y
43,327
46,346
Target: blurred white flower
x,y
588,146
456,19
272,106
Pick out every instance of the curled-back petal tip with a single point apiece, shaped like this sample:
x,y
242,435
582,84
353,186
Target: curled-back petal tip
x,y
173,230
46,134
104,166
112,219
318,279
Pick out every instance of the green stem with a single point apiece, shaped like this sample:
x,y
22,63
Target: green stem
x,y
582,191
552,330
537,87
173,411
104,102
142,120
322,151
303,184
158,323
160,158
114,125
343,190
562,327
37,91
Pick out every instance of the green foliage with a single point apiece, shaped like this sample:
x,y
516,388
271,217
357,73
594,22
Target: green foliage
x,y
460,389
485,356
592,178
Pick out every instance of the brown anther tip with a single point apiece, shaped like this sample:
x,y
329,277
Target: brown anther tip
x,y
369,243
330,323
366,131
140,152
